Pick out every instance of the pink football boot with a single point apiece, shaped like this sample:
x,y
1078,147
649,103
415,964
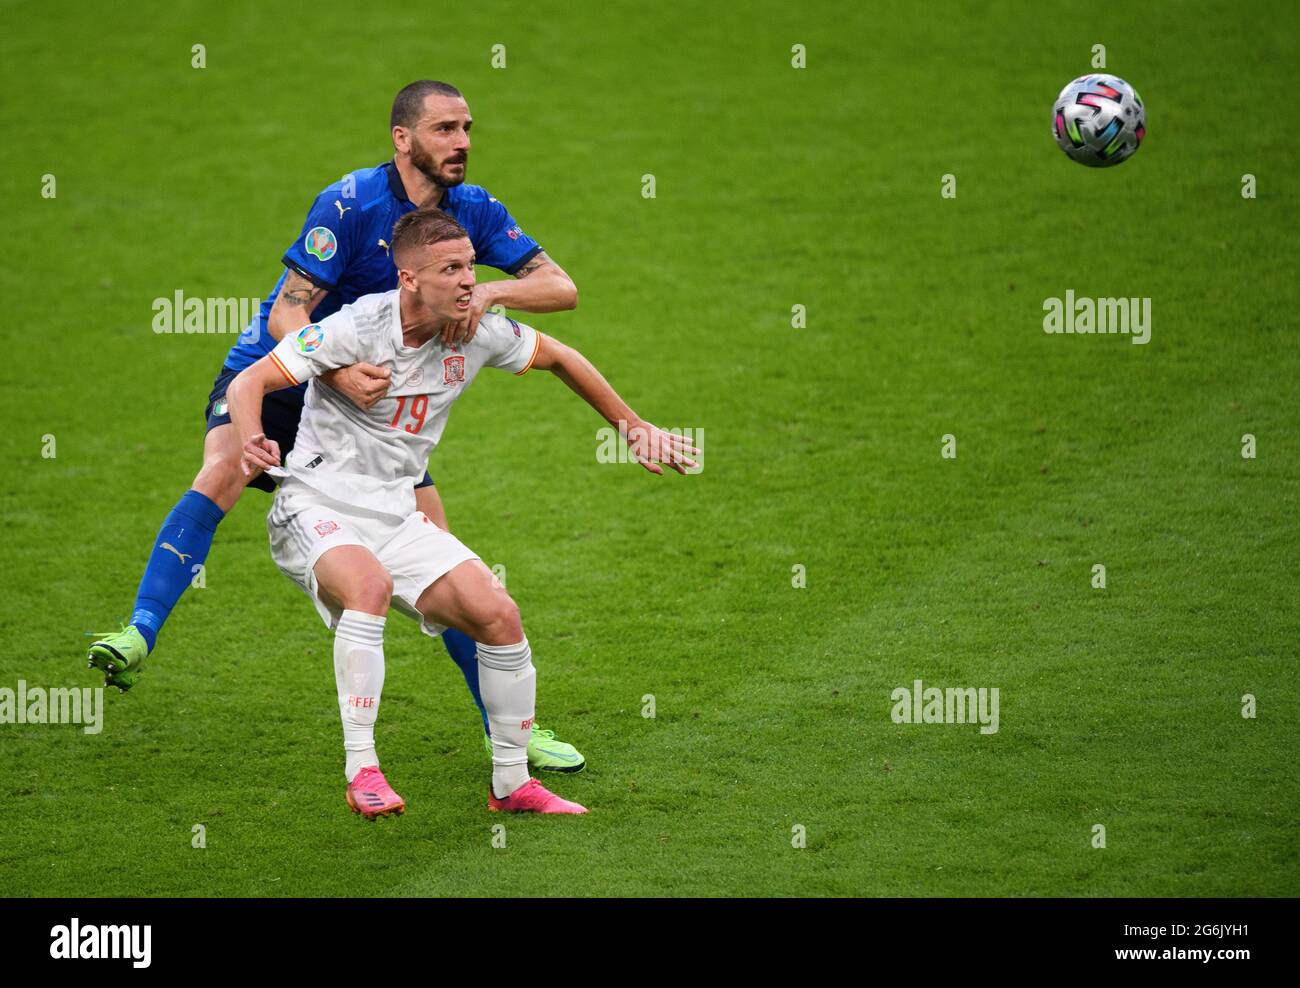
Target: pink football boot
x,y
370,794
532,797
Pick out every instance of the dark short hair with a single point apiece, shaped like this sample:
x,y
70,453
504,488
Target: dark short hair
x,y
408,104
422,227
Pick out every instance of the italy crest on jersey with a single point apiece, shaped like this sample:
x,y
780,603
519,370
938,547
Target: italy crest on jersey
x,y
321,243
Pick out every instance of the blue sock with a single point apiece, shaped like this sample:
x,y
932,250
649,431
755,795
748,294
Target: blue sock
x,y
464,652
182,543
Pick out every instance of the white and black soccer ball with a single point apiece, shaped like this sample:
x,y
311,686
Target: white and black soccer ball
x,y
1099,120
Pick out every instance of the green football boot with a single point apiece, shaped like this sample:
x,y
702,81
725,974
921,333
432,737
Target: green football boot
x,y
121,655
547,754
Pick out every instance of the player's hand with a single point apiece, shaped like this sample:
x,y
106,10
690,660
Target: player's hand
x,y
462,331
364,384
650,446
259,453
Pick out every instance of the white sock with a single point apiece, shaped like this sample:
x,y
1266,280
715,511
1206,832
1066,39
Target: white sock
x,y
359,676
507,682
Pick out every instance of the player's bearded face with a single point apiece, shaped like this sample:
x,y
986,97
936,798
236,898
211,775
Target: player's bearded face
x,y
443,167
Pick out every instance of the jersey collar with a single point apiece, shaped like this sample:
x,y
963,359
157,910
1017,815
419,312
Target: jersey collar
x,y
397,317
398,190
395,185
399,341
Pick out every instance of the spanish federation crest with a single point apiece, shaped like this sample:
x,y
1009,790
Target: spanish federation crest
x,y
453,369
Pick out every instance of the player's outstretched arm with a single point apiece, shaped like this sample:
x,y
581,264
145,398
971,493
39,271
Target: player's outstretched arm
x,y
648,443
293,306
363,384
540,285
244,400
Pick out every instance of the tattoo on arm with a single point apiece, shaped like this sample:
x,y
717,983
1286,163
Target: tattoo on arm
x,y
297,290
539,260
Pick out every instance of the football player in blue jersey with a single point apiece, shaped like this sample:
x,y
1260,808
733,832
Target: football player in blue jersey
x,y
341,254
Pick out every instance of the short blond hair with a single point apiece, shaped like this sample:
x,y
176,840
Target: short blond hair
x,y
422,227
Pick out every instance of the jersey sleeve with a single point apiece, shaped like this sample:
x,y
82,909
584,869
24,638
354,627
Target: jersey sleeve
x,y
512,346
499,241
317,348
326,244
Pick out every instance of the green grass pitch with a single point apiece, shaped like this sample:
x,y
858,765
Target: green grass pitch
x,y
775,186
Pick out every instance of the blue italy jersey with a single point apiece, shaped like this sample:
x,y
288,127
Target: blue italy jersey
x,y
344,245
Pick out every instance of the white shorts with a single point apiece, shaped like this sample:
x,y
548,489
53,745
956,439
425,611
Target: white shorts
x,y
304,524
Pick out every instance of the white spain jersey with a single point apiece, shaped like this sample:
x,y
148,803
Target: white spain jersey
x,y
373,458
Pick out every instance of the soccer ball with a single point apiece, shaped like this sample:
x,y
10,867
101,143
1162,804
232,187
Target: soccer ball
x,y
1099,120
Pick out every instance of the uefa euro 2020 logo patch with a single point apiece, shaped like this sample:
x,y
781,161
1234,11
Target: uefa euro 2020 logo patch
x,y
321,242
309,338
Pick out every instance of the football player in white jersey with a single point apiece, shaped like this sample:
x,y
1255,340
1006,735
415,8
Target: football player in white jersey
x,y
344,526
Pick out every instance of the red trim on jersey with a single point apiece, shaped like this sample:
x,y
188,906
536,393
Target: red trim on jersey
x,y
283,369
537,345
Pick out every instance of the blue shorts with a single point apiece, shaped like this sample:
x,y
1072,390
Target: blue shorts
x,y
281,411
